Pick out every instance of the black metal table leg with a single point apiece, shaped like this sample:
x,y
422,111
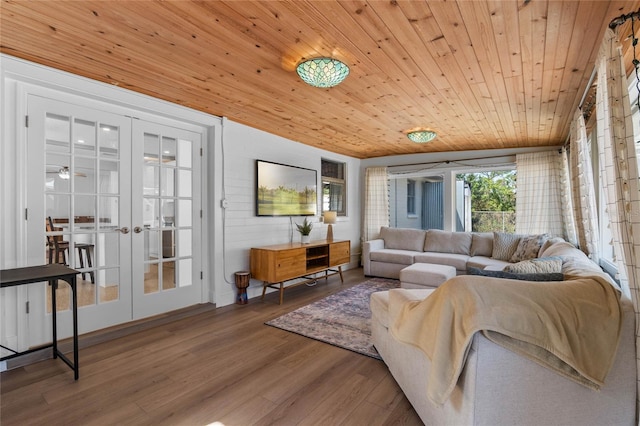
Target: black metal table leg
x,y
53,283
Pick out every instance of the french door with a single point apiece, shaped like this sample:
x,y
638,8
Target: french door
x,y
167,217
106,198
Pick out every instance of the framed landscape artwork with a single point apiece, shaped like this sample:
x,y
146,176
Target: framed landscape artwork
x,y
283,190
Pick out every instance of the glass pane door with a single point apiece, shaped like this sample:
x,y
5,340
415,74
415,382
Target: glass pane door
x,y
79,204
166,212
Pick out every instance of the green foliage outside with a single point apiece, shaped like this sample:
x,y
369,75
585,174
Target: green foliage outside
x,y
493,200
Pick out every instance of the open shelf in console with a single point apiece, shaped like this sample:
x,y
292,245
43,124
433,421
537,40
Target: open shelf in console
x,y
317,258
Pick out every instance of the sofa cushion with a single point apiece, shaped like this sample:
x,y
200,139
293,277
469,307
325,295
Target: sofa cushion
x,y
447,242
536,266
483,262
403,257
548,243
564,249
528,247
574,262
481,244
402,238
504,245
458,261
513,276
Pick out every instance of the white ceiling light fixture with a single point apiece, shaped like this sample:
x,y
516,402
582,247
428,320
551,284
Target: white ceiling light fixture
x,y
64,173
322,72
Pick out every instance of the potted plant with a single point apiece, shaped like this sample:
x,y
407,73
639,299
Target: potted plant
x,y
305,230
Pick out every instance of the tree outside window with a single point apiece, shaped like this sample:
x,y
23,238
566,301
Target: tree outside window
x,y
493,200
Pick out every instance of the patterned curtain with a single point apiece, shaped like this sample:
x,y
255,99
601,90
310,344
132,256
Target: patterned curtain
x,y
567,202
584,195
539,193
376,203
619,169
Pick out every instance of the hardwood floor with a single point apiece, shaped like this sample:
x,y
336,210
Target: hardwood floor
x,y
204,365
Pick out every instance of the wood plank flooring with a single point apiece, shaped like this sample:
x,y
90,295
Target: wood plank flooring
x,y
204,365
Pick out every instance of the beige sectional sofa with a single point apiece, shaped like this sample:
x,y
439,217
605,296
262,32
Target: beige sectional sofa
x,y
496,386
397,248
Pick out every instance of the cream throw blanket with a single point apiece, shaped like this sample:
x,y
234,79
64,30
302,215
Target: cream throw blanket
x,y
572,327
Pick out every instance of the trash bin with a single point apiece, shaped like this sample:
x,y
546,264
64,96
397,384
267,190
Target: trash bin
x,y
242,282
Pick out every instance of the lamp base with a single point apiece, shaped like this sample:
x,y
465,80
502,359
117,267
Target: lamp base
x,y
330,233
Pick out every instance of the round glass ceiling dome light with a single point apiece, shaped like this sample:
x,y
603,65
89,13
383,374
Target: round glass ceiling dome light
x,y
421,136
322,72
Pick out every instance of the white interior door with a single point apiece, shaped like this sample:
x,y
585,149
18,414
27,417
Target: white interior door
x,y
79,206
124,201
166,214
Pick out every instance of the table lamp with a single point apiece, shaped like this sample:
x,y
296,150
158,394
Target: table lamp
x,y
329,219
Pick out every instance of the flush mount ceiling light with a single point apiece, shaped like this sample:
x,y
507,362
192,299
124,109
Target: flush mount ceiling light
x,y
322,72
64,173
421,136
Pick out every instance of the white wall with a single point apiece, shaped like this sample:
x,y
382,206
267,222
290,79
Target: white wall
x,y
242,146
398,216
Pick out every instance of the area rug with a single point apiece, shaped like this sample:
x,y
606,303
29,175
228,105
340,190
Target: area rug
x,y
342,319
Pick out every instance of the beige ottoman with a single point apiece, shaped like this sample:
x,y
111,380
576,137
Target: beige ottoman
x,y
429,275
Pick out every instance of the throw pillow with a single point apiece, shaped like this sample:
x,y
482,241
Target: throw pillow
x,y
528,247
553,276
536,266
504,245
481,244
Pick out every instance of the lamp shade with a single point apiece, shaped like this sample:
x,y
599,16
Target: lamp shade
x,y
330,217
322,72
421,136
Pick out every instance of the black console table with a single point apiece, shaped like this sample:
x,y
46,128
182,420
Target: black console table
x,y
51,273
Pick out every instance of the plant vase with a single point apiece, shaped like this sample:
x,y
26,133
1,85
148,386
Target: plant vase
x,y
305,231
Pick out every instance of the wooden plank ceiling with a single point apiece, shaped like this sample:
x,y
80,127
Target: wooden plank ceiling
x,y
482,74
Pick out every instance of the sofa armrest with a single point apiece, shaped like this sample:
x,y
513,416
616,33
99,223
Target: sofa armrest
x,y
367,248
399,296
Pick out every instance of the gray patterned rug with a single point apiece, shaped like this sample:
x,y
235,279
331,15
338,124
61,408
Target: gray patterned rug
x,y
342,319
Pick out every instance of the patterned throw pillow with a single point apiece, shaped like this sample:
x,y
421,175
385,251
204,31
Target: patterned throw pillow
x,y
540,265
528,247
504,245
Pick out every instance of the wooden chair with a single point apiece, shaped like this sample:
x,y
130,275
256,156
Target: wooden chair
x,y
59,247
56,245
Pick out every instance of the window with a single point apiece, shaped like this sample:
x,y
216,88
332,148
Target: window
x,y
486,201
479,199
411,197
334,184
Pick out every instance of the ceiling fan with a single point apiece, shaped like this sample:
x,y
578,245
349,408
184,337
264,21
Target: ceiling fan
x,y
62,172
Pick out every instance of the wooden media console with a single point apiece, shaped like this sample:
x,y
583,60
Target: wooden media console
x,y
276,264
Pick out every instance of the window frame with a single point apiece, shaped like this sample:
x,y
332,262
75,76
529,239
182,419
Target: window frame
x,y
332,180
411,198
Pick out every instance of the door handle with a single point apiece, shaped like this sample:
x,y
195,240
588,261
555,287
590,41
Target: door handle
x,y
123,230
137,229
